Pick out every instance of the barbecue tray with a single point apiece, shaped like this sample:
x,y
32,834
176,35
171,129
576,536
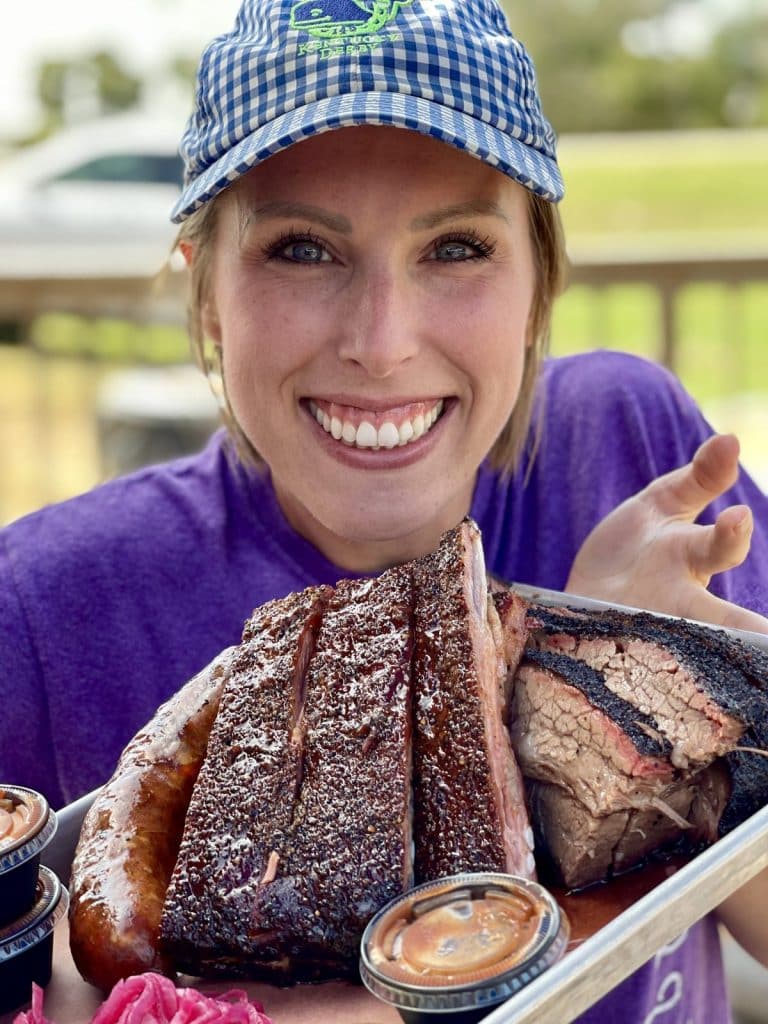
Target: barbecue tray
x,y
624,943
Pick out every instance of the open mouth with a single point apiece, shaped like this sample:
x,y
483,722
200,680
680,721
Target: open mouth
x,y
358,428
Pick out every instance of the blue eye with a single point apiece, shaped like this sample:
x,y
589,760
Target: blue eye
x,y
451,252
305,252
461,248
298,248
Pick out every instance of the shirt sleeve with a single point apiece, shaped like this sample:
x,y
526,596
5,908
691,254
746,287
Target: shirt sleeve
x,y
27,755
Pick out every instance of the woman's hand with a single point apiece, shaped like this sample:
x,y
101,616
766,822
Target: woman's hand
x,y
649,552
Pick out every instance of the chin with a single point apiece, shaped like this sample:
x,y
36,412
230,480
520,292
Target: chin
x,y
393,523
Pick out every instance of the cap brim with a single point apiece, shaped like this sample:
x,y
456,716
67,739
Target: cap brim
x,y
514,157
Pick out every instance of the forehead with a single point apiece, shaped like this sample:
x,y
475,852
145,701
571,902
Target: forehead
x,y
353,164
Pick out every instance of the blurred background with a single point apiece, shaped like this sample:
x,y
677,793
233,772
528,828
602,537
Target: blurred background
x,y
662,111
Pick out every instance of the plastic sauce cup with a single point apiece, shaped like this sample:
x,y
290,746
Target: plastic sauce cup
x,y
26,945
27,825
453,949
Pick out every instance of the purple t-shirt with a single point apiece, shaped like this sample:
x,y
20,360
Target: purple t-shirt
x,y
111,601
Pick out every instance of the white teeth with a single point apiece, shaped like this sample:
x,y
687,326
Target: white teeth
x,y
405,432
388,435
348,433
367,436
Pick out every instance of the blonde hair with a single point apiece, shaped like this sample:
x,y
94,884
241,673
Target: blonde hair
x,y
550,263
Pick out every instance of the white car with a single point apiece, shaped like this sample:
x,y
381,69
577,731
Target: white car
x,y
92,198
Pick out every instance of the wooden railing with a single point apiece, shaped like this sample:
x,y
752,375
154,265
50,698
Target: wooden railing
x,y
668,275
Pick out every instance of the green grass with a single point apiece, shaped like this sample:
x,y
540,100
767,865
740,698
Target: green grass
x,y
688,189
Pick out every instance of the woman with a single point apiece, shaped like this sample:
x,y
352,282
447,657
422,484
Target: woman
x,y
370,222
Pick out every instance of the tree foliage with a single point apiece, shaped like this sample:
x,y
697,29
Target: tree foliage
x,y
96,83
590,81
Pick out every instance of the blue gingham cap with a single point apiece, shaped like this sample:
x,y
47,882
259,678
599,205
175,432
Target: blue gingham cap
x,y
290,69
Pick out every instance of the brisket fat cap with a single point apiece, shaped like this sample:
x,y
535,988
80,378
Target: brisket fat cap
x,y
694,682
469,802
292,842
569,729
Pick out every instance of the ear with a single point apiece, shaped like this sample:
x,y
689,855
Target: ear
x,y
187,250
208,318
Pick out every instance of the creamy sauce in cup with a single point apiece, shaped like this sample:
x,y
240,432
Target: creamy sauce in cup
x,y
461,944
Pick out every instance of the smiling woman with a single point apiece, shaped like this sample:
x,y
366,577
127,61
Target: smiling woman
x,y
370,221
402,312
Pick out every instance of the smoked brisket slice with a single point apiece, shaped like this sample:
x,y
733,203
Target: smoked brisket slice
x,y
577,848
569,729
469,804
701,699
707,690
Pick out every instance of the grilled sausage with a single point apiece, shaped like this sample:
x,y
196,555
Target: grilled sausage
x,y
131,835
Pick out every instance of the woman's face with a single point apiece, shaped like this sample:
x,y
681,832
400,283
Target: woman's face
x,y
371,294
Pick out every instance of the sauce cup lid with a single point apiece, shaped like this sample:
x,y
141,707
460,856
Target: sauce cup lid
x,y
40,828
51,903
463,942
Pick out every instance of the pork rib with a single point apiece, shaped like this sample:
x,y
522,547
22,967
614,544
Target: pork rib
x,y
300,827
243,800
469,803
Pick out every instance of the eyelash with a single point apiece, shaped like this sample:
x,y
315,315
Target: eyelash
x,y
275,249
483,245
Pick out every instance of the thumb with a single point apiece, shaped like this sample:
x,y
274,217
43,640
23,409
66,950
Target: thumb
x,y
687,491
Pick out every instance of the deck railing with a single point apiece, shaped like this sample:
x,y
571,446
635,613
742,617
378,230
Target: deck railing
x,y
668,275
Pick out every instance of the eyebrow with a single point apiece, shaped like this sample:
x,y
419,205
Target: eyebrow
x,y
279,210
484,207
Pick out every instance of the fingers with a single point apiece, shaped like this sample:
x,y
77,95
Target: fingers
x,y
706,607
713,549
685,492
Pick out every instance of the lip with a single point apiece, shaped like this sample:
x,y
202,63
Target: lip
x,y
383,458
394,405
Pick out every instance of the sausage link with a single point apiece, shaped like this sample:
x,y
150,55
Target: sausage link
x,y
131,835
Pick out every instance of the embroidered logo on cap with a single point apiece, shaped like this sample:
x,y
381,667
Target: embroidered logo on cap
x,y
341,23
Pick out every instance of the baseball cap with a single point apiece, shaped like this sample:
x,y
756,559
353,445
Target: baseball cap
x,y
290,69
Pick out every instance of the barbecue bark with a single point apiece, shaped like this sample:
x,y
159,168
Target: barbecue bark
x,y
299,828
469,803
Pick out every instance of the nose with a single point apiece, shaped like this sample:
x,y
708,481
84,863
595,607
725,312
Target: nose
x,y
380,327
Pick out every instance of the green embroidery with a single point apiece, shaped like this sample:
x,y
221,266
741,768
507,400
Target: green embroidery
x,y
320,18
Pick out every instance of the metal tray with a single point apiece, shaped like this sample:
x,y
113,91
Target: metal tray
x,y
612,953
596,966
